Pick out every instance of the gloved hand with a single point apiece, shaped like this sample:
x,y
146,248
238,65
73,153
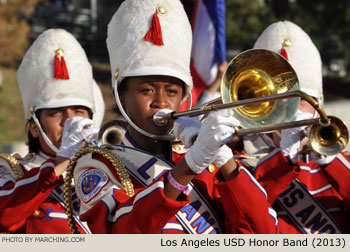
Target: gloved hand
x,y
290,138
216,130
75,131
224,155
186,129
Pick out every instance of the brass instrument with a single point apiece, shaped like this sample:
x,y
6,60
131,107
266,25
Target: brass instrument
x,y
263,91
112,132
329,140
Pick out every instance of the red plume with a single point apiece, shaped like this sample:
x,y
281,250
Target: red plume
x,y
284,53
154,33
60,67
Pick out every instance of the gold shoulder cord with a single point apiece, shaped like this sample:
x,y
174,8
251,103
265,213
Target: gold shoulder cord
x,y
14,164
115,161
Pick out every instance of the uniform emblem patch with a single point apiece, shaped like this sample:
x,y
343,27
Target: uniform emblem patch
x,y
90,184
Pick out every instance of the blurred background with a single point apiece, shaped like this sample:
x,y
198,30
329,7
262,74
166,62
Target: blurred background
x,y
21,21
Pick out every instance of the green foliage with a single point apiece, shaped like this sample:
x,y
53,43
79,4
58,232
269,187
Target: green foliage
x,y
326,22
244,22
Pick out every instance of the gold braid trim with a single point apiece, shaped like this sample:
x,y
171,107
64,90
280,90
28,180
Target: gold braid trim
x,y
115,161
14,164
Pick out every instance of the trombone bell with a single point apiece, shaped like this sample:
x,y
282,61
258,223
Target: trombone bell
x,y
253,83
331,139
257,73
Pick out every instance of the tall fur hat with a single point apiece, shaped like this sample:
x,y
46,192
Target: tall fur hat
x,y
293,43
55,72
150,37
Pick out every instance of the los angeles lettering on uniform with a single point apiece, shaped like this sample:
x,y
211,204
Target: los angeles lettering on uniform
x,y
305,211
197,216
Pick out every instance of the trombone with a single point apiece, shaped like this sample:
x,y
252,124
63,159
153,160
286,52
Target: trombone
x,y
264,93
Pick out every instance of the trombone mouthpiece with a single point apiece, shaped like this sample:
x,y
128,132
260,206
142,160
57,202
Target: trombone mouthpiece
x,y
162,117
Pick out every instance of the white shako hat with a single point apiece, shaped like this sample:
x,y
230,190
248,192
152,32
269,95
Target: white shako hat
x,y
149,37
99,106
293,43
166,51
55,72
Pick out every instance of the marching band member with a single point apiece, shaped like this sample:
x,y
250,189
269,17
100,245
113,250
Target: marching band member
x,y
157,187
310,191
56,84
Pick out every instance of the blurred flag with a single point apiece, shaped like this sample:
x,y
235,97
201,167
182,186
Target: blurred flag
x,y
209,44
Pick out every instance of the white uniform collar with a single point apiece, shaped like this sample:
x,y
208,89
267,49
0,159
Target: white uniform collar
x,y
129,142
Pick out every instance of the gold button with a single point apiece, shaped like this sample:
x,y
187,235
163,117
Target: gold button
x,y
36,213
162,10
59,51
116,73
286,43
31,110
211,168
176,147
30,156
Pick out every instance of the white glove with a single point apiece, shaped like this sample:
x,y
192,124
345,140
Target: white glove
x,y
186,129
216,130
224,155
290,138
75,131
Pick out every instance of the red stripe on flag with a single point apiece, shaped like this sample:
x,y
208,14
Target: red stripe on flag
x,y
198,87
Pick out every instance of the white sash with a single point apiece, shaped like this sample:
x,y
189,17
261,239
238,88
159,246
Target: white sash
x,y
197,216
305,211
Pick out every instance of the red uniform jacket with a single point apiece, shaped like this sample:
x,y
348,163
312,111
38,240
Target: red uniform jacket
x,y
228,205
328,185
33,203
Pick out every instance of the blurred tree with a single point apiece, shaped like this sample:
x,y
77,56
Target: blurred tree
x,y
245,20
14,30
327,23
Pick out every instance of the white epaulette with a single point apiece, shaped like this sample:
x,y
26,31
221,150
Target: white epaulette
x,y
94,180
32,160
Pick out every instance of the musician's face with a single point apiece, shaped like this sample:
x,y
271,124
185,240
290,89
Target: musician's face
x,y
306,107
52,122
145,95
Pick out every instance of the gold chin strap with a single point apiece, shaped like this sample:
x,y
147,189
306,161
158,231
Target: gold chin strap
x,y
117,164
14,164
